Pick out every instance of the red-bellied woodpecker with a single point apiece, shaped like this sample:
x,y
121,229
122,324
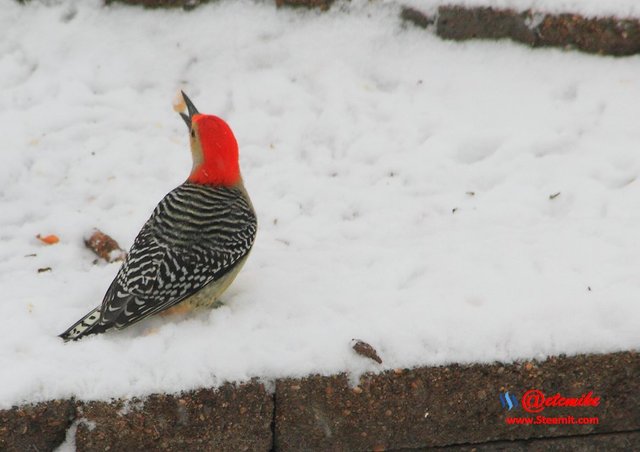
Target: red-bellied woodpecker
x,y
195,242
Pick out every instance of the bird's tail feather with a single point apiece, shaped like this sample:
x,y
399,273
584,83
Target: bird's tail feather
x,y
83,327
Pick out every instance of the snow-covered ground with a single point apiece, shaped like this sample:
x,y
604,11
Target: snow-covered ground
x,y
403,186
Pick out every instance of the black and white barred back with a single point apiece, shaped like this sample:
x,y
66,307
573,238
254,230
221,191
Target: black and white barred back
x,y
196,235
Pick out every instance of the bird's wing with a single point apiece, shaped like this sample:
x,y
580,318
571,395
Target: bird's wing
x,y
160,272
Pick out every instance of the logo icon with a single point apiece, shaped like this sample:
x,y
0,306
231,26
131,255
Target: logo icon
x,y
508,401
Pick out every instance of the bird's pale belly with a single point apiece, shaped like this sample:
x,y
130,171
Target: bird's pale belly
x,y
209,294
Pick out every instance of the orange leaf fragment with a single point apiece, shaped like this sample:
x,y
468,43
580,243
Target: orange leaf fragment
x,y
50,239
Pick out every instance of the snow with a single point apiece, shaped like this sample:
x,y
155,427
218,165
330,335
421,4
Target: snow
x,y
69,443
402,183
588,8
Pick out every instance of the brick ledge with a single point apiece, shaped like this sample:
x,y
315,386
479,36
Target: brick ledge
x,y
448,406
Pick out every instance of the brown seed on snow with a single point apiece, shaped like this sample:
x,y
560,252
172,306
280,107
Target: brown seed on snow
x,y
105,247
366,350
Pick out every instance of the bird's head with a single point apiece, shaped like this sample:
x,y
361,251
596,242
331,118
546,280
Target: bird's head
x,y
214,148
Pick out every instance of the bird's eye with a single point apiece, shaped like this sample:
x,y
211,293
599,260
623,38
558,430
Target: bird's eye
x,y
193,134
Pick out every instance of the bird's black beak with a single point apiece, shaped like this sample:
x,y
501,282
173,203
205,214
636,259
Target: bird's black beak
x,y
190,108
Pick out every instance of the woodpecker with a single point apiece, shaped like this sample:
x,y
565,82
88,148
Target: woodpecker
x,y
193,245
